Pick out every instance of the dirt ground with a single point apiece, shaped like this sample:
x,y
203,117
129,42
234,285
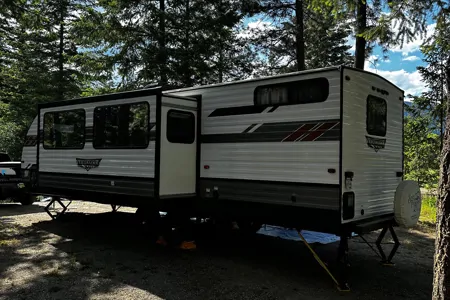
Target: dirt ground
x,y
94,254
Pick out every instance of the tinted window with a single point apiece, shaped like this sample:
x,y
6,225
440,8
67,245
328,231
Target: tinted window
x,y
64,129
121,126
180,127
4,157
296,92
376,116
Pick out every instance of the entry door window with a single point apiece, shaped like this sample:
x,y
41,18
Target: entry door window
x,y
180,127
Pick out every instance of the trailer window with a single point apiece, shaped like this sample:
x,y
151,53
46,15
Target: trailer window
x,y
180,127
376,116
294,92
64,129
121,126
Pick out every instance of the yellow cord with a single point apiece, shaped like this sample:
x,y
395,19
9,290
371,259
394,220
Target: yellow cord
x,y
318,258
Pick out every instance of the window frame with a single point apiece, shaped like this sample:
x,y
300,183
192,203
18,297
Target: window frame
x,y
289,83
385,115
167,126
122,147
64,111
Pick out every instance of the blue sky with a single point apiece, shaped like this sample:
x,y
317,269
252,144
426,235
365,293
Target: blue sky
x,y
400,67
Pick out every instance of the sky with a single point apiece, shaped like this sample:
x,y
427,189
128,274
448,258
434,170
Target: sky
x,y
401,65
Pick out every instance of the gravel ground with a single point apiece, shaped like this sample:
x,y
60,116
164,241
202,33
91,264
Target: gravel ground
x,y
94,254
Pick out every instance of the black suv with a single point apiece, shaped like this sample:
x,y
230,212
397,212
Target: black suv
x,y
11,183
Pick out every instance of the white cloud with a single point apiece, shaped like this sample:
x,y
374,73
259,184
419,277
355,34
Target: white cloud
x,y
411,58
255,28
414,45
412,83
351,42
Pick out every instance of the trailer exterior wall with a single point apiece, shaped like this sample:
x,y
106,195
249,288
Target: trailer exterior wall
x,y
263,156
377,172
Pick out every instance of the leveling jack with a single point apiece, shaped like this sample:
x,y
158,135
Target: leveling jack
x,y
342,260
57,214
385,261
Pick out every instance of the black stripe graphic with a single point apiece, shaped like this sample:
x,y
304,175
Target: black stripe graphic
x,y
85,182
238,110
274,132
273,108
249,128
324,196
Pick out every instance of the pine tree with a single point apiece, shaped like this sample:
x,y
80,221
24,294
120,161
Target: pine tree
x,y
189,42
324,39
37,64
434,51
374,22
421,146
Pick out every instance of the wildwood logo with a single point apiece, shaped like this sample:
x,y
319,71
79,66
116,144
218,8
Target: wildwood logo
x,y
375,143
88,164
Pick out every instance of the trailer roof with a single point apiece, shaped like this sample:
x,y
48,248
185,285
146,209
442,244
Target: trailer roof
x,y
112,96
281,76
159,90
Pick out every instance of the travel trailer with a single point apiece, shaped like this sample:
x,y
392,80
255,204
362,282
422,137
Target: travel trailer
x,y
319,150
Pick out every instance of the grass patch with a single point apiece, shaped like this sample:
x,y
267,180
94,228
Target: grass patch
x,y
428,212
9,243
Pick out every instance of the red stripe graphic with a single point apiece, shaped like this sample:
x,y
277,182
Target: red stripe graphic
x,y
316,126
299,132
319,131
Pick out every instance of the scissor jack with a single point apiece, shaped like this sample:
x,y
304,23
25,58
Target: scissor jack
x,y
52,203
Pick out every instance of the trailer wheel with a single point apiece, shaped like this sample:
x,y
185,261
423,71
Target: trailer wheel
x,y
27,199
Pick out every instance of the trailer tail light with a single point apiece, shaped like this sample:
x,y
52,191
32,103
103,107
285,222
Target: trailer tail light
x,y
348,206
348,179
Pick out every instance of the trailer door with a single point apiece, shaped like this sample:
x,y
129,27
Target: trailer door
x,y
178,147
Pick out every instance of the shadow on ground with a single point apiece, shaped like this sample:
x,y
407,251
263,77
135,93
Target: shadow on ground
x,y
108,256
14,209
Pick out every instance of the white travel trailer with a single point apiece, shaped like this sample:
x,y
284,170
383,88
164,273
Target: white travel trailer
x,y
319,150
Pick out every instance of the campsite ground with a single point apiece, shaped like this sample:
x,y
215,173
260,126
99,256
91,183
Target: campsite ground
x,y
95,254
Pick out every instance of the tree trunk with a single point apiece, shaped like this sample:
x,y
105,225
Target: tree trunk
x,y
220,70
221,47
61,76
162,42
441,279
441,112
300,41
186,65
360,44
